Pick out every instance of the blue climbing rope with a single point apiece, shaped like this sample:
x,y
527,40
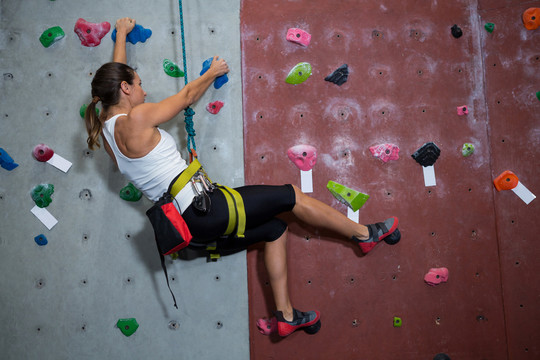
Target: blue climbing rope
x,y
189,112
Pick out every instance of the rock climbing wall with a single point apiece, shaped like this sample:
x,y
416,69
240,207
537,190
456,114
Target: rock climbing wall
x,y
408,78
63,300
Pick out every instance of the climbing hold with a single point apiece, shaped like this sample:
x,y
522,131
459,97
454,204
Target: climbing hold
x,y
441,356
385,152
41,240
427,154
339,76
51,35
82,110
531,18
456,31
462,110
435,276
489,27
42,194
298,36
509,181
538,95
134,36
267,326
6,161
467,149
352,198
89,33
43,153
127,326
172,69
303,156
299,73
221,80
506,181
214,107
130,193
397,321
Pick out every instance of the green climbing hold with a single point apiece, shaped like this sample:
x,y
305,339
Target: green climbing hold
x,y
130,193
82,110
489,27
299,73
354,199
51,35
127,326
41,194
538,95
467,149
397,321
172,69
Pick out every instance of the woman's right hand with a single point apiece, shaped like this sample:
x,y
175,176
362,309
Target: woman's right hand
x,y
125,25
219,67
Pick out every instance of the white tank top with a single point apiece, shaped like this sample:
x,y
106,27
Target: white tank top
x,y
153,172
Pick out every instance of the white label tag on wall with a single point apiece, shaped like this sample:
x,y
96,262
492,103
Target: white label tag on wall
x,y
59,162
429,176
353,215
44,216
525,194
306,181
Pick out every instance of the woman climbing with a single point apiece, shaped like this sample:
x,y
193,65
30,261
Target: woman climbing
x,y
148,157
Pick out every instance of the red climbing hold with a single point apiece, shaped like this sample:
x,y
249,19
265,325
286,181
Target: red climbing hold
x,y
298,36
385,152
462,110
506,181
43,153
89,33
214,107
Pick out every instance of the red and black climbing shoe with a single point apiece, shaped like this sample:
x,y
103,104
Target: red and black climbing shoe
x,y
387,231
309,321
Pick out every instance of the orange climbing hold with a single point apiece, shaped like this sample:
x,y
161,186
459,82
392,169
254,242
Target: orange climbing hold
x,y
506,181
531,18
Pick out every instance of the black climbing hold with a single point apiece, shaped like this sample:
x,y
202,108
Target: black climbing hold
x,y
441,356
339,76
427,154
456,31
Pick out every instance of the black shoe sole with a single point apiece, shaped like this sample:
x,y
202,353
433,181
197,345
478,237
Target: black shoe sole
x,y
313,329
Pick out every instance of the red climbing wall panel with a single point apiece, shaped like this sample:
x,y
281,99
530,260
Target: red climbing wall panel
x,y
407,76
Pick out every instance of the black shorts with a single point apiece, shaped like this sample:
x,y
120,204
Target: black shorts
x,y
262,203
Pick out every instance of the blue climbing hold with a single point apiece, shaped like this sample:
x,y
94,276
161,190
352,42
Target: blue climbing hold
x,y
41,240
221,80
137,34
6,161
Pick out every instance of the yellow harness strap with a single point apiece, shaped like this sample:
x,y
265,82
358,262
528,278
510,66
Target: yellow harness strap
x,y
184,177
237,212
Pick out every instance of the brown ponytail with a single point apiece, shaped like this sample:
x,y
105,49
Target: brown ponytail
x,y
105,88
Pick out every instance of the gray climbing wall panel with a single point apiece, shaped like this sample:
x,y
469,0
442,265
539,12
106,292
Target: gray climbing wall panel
x,y
407,77
62,301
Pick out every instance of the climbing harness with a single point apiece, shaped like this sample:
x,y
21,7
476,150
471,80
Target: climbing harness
x,y
172,233
188,112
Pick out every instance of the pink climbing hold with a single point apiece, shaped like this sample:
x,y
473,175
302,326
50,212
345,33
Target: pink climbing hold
x,y
43,153
436,276
303,156
298,36
267,326
89,33
214,107
385,152
462,110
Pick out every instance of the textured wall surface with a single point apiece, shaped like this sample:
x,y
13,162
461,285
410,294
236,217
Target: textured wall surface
x,y
62,301
407,77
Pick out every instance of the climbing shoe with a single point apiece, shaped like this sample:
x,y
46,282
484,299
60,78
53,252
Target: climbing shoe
x,y
309,321
387,231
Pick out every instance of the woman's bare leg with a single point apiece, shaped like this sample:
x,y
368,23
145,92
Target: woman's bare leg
x,y
317,213
275,258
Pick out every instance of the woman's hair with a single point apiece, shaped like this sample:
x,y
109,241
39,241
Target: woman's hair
x,y
105,88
